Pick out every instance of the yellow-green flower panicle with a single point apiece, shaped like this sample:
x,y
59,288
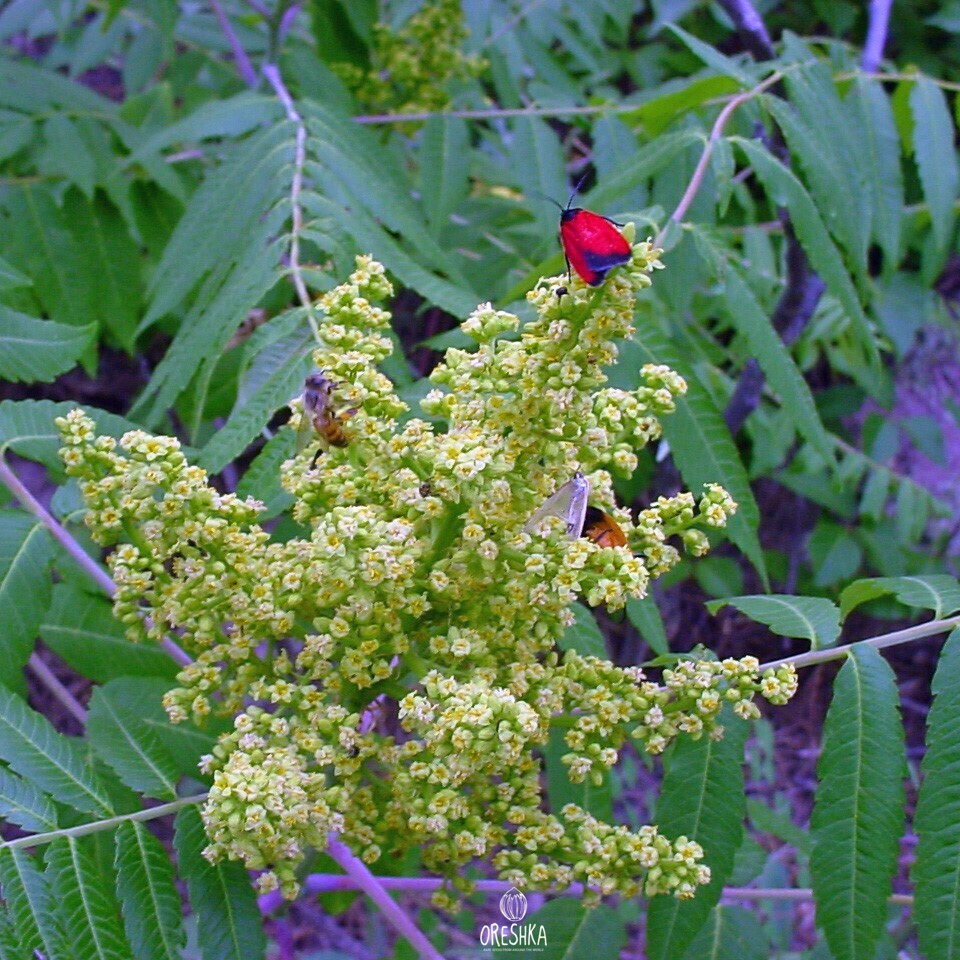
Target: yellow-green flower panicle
x,y
392,673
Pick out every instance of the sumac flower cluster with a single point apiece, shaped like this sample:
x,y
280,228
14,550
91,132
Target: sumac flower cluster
x,y
393,673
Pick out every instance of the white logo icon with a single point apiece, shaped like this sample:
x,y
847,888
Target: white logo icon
x,y
513,905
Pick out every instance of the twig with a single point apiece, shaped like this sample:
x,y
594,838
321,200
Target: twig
x,y
246,68
59,532
272,73
83,559
47,677
373,887
716,132
496,113
262,9
328,883
152,813
753,31
918,632
876,34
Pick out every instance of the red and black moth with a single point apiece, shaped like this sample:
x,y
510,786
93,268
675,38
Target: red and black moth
x,y
592,244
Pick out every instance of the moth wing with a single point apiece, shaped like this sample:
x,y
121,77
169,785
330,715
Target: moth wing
x,y
569,503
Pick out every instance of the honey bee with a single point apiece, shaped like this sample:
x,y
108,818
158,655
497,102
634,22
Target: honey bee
x,y
319,413
570,504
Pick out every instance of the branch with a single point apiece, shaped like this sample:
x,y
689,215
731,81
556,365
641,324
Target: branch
x,y
716,132
876,34
921,630
50,680
83,559
246,68
750,26
317,883
272,73
152,813
374,888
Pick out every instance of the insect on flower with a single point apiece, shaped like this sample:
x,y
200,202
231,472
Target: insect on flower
x,y
569,503
319,413
591,243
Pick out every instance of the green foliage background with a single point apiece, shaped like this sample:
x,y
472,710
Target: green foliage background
x,y
164,182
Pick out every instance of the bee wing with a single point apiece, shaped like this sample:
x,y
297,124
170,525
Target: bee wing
x,y
306,431
569,503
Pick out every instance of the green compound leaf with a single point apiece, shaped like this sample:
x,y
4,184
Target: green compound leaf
x,y
230,117
645,162
149,900
571,932
84,901
10,946
584,635
936,156
81,628
39,244
713,58
11,278
228,921
185,742
645,616
375,207
784,188
699,439
937,592
539,162
111,259
32,349
881,157
858,813
272,376
819,150
223,257
774,358
703,799
22,803
31,905
811,618
55,763
27,428
936,871
26,551
731,933
130,747
444,181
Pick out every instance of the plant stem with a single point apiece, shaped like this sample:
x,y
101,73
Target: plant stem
x,y
272,73
376,890
918,632
246,68
689,195
153,813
